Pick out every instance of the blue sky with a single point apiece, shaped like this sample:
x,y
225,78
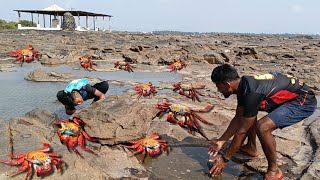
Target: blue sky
x,y
244,16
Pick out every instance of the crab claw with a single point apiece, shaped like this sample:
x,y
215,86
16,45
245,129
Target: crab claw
x,y
41,171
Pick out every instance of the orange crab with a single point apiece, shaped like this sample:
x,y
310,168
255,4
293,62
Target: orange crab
x,y
87,63
123,65
151,145
145,89
26,55
177,65
40,160
188,90
72,132
184,115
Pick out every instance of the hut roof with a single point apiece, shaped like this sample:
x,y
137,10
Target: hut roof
x,y
57,10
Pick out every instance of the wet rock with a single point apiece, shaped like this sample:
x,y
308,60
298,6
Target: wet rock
x,y
39,75
118,119
28,132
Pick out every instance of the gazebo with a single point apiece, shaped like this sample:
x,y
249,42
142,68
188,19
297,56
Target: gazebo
x,y
57,11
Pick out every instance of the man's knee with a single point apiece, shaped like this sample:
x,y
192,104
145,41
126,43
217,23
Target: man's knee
x,y
265,125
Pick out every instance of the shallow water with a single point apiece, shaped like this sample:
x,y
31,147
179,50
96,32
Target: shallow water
x,y
19,96
191,163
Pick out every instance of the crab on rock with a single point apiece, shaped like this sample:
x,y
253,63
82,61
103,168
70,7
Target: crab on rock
x,y
87,63
123,65
152,145
188,90
145,90
72,132
184,115
39,159
26,55
177,65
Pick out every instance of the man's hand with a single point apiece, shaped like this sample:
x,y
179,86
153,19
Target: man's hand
x,y
215,146
218,166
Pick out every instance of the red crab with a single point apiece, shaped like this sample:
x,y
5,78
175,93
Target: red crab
x,y
87,63
72,132
151,145
145,89
40,160
188,90
28,54
123,65
177,65
184,115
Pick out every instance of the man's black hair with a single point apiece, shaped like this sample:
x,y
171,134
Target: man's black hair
x,y
224,73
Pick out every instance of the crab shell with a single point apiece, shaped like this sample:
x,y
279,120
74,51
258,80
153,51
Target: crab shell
x,y
72,133
152,145
40,160
145,89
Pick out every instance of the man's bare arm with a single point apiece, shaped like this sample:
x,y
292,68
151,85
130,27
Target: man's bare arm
x,y
239,136
233,126
99,94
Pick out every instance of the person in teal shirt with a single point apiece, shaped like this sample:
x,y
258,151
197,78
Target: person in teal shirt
x,y
80,90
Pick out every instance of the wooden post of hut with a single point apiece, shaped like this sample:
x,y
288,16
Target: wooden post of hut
x,y
94,23
110,24
32,19
79,22
19,15
103,23
87,26
44,21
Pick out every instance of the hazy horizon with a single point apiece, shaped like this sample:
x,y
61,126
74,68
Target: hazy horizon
x,y
229,16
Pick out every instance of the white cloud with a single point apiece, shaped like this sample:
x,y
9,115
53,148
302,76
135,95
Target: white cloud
x,y
296,8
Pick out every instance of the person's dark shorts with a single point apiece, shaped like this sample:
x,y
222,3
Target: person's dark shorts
x,y
294,111
101,86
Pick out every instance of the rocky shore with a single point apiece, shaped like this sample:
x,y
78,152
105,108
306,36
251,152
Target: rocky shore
x,y
124,117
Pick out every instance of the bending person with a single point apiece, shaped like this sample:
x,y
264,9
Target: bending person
x,y
286,99
80,90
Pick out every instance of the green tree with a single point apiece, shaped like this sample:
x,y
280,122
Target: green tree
x,y
14,25
26,23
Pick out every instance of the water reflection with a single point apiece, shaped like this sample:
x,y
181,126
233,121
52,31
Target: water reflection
x,y
19,96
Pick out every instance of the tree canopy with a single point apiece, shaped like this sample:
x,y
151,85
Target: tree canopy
x,y
14,25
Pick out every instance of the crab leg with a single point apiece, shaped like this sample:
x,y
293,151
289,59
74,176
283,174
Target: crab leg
x,y
81,144
29,171
171,117
71,143
164,147
201,119
15,156
135,144
143,154
55,162
86,135
155,136
16,162
45,148
207,108
22,168
140,149
54,155
189,124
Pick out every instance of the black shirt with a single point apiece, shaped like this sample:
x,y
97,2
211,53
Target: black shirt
x,y
269,91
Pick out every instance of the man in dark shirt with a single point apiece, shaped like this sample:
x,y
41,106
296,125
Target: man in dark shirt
x,y
286,99
80,90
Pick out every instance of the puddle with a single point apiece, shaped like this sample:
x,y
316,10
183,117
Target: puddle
x,y
20,96
191,163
